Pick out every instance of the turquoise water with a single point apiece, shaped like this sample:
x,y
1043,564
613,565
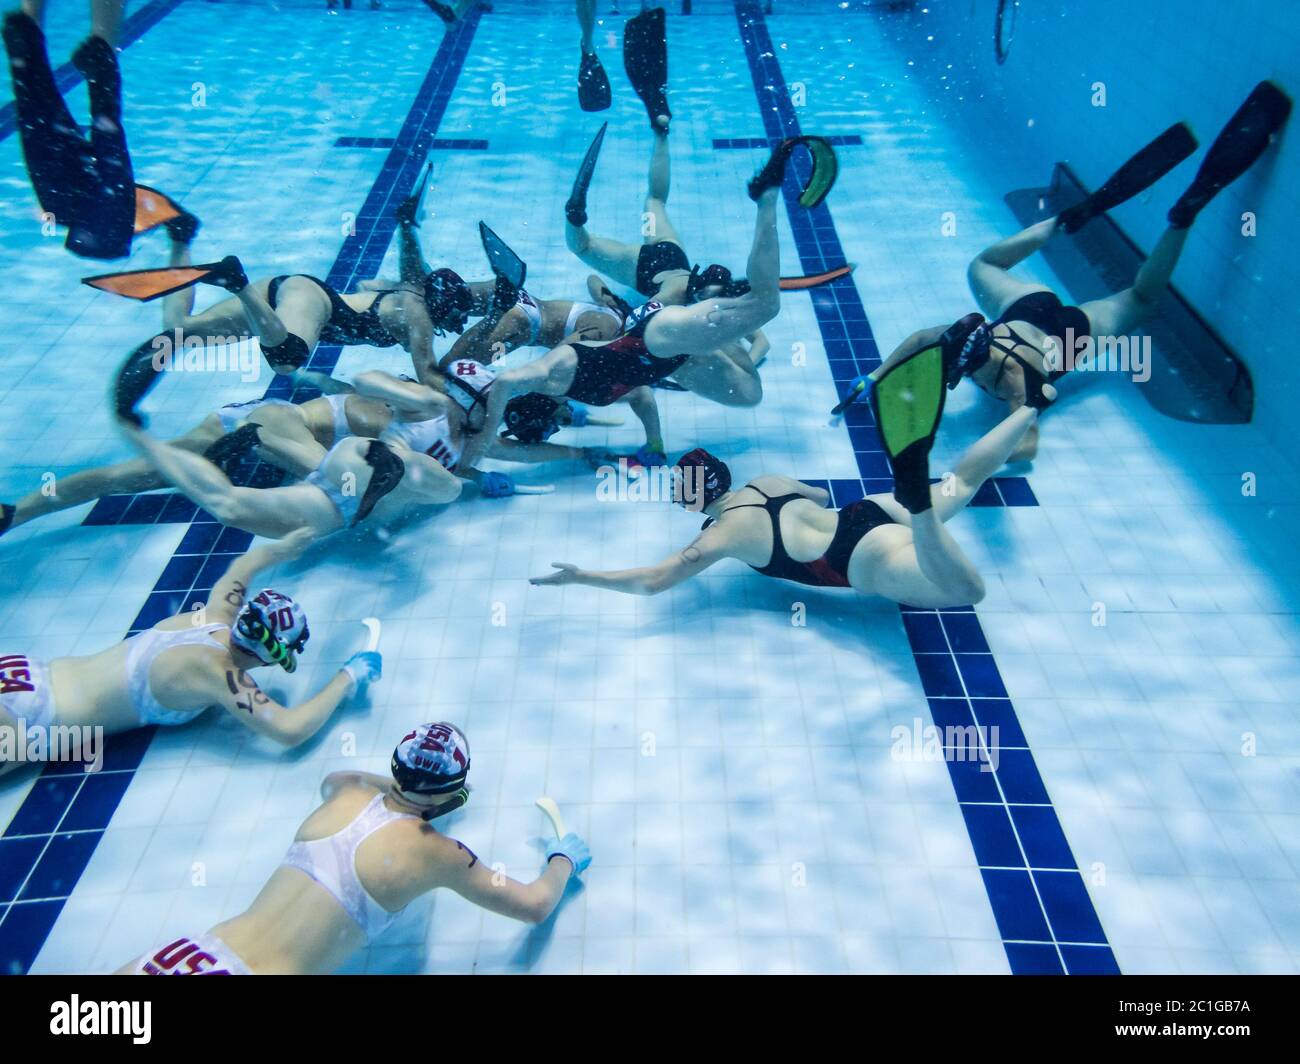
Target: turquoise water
x,y
771,828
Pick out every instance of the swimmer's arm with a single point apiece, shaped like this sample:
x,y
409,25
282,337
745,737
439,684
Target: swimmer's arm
x,y
759,346
514,451
235,691
231,590
419,336
474,343
709,547
525,378
642,402
410,397
916,342
459,868
430,480
782,485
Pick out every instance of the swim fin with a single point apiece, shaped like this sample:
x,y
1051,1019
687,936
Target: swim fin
x,y
645,58
575,210
148,285
820,180
1137,175
593,84
504,262
907,402
154,208
7,512
408,210
228,452
813,280
137,374
1242,141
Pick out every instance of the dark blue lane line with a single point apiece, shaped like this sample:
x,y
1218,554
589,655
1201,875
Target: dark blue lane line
x,y
851,140
134,27
53,835
1045,916
461,144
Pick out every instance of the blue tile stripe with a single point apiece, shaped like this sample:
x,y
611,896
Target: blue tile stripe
x,y
134,27
852,140
49,842
1044,914
463,144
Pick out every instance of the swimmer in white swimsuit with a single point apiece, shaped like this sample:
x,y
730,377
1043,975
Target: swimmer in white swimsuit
x,y
358,861
344,485
169,674
324,421
533,322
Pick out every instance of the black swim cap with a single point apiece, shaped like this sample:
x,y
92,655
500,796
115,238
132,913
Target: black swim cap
x,y
965,346
531,418
448,300
710,475
713,276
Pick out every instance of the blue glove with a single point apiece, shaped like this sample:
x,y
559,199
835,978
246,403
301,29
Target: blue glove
x,y
648,457
574,849
364,667
496,485
578,415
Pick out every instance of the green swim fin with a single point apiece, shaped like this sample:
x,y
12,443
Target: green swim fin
x,y
575,210
645,58
820,179
908,404
1234,151
1137,175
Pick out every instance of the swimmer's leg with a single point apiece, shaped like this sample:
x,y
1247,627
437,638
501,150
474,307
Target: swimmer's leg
x,y
933,571
613,258
286,441
121,478
655,225
262,511
725,376
1117,315
990,281
642,402
714,323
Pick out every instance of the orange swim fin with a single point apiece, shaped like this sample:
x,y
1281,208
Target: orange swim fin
x,y
153,208
794,284
145,285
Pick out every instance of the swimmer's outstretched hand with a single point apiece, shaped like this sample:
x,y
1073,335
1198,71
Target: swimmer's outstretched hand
x,y
568,574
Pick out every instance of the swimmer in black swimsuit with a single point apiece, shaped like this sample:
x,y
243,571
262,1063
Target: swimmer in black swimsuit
x,y
658,340
780,528
658,267
1033,332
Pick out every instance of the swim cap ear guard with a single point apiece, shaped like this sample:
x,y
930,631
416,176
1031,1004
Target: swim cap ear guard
x,y
965,344
433,760
532,418
705,474
273,628
714,276
448,300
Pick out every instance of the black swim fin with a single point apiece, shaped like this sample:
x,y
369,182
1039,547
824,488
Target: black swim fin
x,y
504,262
593,84
7,512
908,402
1242,141
138,373
1137,175
575,210
821,177
408,210
228,452
645,58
